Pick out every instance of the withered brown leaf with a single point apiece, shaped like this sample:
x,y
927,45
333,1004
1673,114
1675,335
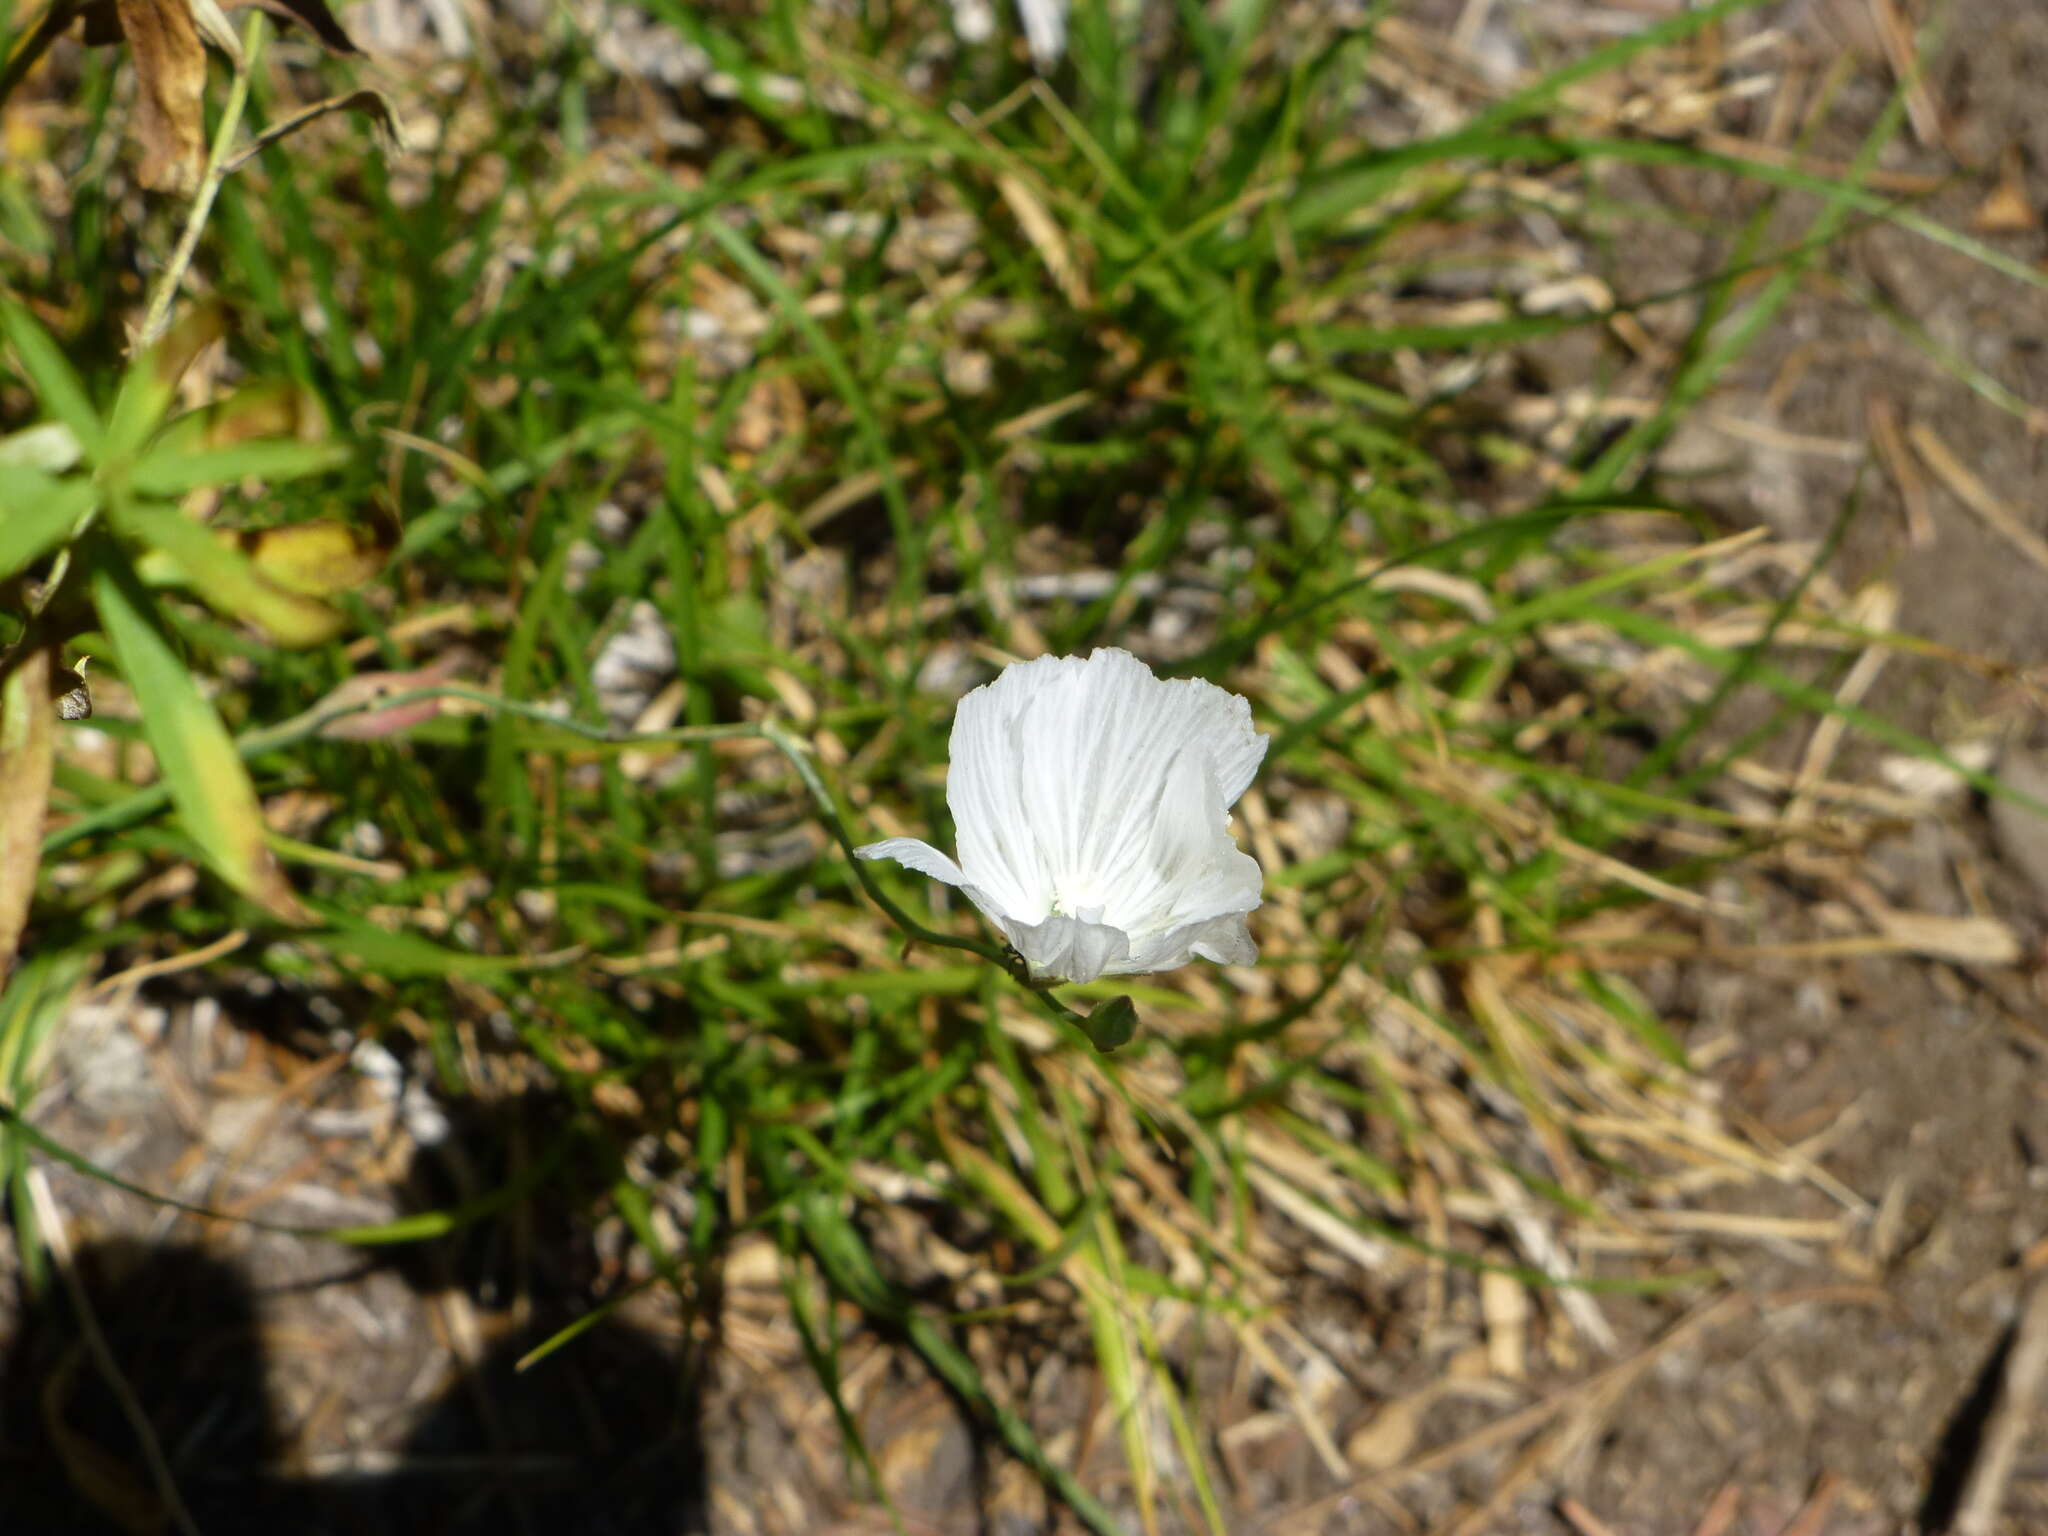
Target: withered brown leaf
x,y
170,92
27,740
169,39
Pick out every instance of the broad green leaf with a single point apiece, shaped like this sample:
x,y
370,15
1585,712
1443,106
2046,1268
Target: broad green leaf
x,y
225,577
50,446
208,785
173,473
56,386
38,513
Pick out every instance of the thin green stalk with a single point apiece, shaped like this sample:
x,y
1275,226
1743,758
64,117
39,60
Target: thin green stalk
x,y
252,744
157,318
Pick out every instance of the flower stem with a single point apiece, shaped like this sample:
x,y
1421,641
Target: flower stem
x,y
157,318
312,721
828,812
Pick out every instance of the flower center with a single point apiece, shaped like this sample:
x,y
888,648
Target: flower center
x,y
1080,907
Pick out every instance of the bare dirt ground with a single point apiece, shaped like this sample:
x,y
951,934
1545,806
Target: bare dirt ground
x,y
1865,1373
1843,1389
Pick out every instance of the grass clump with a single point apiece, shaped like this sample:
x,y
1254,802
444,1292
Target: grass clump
x,y
689,421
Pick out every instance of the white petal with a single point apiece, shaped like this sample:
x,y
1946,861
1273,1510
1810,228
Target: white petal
x,y
1236,749
998,847
1045,28
1066,948
1225,939
913,854
927,860
1183,866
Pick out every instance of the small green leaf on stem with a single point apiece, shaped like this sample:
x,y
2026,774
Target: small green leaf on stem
x,y
173,474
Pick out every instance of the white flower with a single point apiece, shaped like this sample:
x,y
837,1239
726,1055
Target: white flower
x,y
1045,29
1092,802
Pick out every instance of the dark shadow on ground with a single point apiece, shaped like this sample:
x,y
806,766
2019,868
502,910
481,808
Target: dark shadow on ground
x,y
1960,1440
601,1438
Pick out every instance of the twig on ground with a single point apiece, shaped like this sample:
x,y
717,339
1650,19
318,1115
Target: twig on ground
x,y
1812,1518
1583,1520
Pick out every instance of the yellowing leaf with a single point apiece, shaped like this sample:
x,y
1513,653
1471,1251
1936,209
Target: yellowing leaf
x,y
274,408
225,578
317,559
151,382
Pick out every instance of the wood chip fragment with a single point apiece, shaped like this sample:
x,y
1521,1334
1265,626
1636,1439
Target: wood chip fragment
x,y
2007,210
1970,940
1505,1306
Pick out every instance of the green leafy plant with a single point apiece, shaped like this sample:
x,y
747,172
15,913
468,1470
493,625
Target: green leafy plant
x,y
92,505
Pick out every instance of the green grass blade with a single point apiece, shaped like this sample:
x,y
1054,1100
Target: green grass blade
x,y
173,474
852,1270
59,389
910,580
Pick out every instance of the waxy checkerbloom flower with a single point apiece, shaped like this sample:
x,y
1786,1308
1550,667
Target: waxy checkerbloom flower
x,y
1092,802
